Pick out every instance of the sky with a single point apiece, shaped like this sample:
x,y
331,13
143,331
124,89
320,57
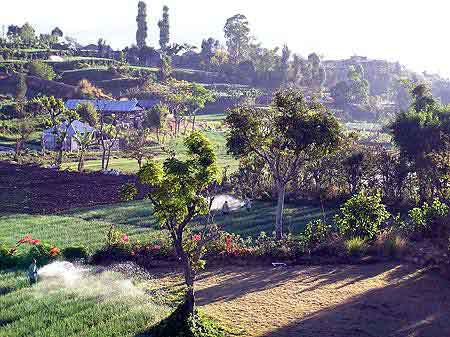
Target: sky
x,y
412,32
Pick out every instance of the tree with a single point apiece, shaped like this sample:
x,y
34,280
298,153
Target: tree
x,y
41,69
137,146
84,141
22,88
341,94
141,19
57,32
156,119
24,130
165,67
86,89
237,34
27,34
59,119
164,29
287,136
284,66
208,50
422,134
87,113
109,136
179,191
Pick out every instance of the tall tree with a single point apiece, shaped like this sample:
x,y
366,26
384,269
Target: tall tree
x,y
286,137
27,34
141,19
422,134
24,130
164,29
284,65
237,34
179,191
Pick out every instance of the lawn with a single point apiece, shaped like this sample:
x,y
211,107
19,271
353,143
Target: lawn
x,y
128,165
89,226
97,305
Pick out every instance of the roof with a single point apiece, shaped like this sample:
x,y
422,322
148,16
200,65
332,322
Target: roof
x,y
148,103
105,105
75,126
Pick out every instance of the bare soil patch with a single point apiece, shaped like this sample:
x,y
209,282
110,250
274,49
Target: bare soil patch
x,y
377,300
37,190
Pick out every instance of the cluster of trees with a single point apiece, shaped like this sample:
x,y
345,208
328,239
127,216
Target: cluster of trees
x,y
354,90
25,36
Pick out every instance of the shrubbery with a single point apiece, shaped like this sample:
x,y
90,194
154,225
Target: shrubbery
x,y
361,216
424,218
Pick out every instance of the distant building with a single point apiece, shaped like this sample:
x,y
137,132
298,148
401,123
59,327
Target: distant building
x,y
49,137
127,112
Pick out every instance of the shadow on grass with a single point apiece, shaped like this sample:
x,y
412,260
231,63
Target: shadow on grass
x,y
415,306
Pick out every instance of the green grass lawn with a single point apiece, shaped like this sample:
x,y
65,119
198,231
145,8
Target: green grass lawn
x,y
128,165
96,306
90,226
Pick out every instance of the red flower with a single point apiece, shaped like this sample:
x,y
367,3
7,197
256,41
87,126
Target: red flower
x,y
125,238
229,244
133,253
54,251
196,237
35,242
25,239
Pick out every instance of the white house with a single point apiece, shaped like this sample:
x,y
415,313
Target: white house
x,y
49,136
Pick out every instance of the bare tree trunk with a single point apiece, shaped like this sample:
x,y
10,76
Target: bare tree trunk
x,y
280,208
189,280
81,162
103,157
18,150
108,157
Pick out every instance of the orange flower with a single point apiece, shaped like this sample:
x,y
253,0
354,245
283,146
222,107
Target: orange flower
x,y
25,239
54,251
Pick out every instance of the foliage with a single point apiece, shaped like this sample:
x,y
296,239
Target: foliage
x,y
315,233
361,216
178,195
164,32
424,218
422,134
141,19
75,252
41,69
137,146
128,192
88,113
22,88
237,34
288,135
356,247
87,90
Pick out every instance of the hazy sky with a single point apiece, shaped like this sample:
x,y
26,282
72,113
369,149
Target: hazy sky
x,y
410,31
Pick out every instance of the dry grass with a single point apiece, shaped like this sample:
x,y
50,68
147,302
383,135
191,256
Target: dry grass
x,y
340,301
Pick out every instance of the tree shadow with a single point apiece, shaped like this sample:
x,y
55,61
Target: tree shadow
x,y
415,306
236,282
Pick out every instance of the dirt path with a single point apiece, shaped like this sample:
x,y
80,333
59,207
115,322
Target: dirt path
x,y
330,301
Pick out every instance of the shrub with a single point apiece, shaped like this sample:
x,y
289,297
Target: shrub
x,y
315,233
361,216
42,70
423,218
356,247
73,253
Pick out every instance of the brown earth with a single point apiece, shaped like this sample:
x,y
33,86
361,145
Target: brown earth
x,y
37,190
378,300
